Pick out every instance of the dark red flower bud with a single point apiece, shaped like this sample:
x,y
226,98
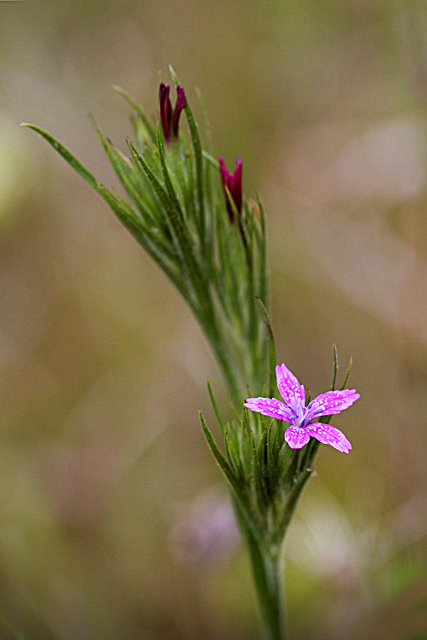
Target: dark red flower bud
x,y
179,106
166,117
165,111
233,182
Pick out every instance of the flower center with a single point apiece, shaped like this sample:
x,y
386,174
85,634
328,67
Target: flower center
x,y
300,413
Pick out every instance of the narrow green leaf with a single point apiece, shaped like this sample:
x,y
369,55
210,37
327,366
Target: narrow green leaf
x,y
165,172
245,445
198,156
187,254
130,180
287,464
293,499
212,161
271,351
126,215
197,146
215,408
133,225
208,191
335,369
236,415
259,485
207,144
273,449
347,374
68,157
263,257
235,484
310,451
234,459
148,125
262,454
223,464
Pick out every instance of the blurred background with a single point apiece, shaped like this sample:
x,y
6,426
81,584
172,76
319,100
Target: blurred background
x,y
114,520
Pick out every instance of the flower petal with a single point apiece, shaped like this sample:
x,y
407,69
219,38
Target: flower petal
x,y
331,402
179,106
289,387
296,438
165,111
329,435
270,407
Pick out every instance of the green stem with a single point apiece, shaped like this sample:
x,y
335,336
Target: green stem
x,y
210,328
267,570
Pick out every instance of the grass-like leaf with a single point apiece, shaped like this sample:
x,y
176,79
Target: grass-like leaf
x,y
271,351
68,157
151,130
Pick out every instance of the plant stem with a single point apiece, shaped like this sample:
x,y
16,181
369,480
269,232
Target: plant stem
x,y
267,570
218,346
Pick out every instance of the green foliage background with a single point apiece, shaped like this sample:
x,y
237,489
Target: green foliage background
x,y
102,368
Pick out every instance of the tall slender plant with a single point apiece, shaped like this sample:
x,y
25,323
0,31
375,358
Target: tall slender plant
x,y
188,212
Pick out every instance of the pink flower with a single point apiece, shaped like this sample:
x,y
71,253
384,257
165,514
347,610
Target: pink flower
x,y
300,417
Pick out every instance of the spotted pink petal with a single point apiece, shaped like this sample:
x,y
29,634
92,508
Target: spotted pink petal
x,y
329,435
289,387
296,438
331,402
269,407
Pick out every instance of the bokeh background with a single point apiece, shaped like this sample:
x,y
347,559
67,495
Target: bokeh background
x,y
114,520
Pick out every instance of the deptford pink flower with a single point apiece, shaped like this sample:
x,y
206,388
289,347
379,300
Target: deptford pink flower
x,y
233,181
300,417
168,118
